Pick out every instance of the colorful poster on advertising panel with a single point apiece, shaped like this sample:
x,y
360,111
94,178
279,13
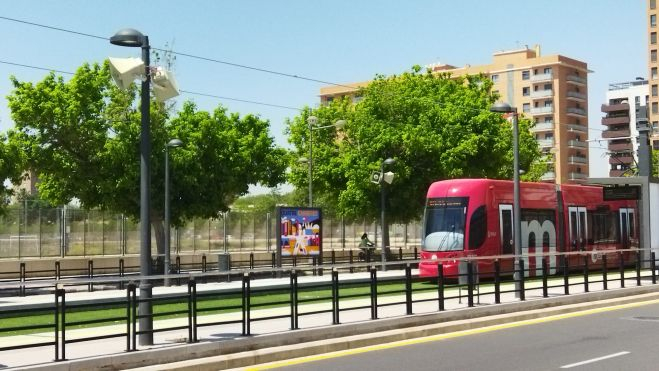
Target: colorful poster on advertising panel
x,y
299,231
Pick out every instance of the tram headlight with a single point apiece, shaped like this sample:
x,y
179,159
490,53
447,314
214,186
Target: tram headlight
x,y
433,257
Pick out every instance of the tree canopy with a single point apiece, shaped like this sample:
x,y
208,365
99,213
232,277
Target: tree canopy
x,y
81,136
433,125
11,168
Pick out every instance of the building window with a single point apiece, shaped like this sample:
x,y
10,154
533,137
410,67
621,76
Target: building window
x,y
548,119
547,70
547,86
526,91
653,55
526,107
653,73
653,20
655,92
494,78
548,103
526,75
653,4
655,107
653,38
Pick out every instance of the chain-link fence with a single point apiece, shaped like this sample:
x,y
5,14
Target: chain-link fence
x,y
66,231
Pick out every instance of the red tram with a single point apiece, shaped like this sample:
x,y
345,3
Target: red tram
x,y
474,218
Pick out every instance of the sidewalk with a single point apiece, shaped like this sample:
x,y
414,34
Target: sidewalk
x,y
223,338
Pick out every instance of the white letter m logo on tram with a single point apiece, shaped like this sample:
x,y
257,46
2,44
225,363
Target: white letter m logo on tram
x,y
538,231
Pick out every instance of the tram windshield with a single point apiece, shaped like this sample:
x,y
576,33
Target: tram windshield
x,y
444,227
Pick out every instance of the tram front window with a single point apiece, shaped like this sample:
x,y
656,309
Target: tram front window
x,y
444,227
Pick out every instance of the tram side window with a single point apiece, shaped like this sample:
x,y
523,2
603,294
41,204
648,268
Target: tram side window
x,y
477,228
603,227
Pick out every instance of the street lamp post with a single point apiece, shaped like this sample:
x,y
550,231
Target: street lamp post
x,y
517,213
172,144
311,122
383,216
132,38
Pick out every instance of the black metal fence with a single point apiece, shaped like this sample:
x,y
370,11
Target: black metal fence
x,y
120,270
336,295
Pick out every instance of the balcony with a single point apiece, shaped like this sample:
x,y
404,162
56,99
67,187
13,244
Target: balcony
x,y
542,94
616,173
577,128
615,133
615,120
550,175
577,144
615,107
577,80
577,176
536,111
542,77
577,160
542,126
580,177
624,159
619,147
546,143
574,111
576,96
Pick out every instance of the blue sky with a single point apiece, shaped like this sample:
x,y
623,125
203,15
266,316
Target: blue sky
x,y
336,41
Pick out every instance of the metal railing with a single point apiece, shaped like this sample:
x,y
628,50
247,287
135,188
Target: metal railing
x,y
333,297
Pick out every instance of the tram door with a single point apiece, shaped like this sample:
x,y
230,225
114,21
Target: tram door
x,y
627,230
506,233
578,228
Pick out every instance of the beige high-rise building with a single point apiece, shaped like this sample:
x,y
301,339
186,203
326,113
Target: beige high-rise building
x,y
653,65
551,90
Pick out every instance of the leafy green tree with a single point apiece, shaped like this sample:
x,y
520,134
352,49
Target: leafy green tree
x,y
12,162
435,127
82,137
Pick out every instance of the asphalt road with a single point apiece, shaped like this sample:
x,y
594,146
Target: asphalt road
x,y
620,339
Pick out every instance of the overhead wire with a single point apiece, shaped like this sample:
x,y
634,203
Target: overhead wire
x,y
182,91
208,59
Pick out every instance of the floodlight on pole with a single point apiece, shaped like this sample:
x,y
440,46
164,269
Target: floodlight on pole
x,y
172,144
505,108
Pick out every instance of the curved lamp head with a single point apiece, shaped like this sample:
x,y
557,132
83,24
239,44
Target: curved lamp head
x,y
128,37
303,160
175,143
312,120
340,124
501,107
389,161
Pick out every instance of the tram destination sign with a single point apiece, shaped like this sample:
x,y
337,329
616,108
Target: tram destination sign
x,y
627,192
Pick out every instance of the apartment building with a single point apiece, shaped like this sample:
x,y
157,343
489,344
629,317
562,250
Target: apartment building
x,y
620,136
653,65
551,90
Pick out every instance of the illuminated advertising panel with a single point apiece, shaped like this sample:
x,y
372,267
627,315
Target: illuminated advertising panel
x,y
299,231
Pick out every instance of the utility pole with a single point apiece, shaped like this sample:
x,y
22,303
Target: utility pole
x,y
644,152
